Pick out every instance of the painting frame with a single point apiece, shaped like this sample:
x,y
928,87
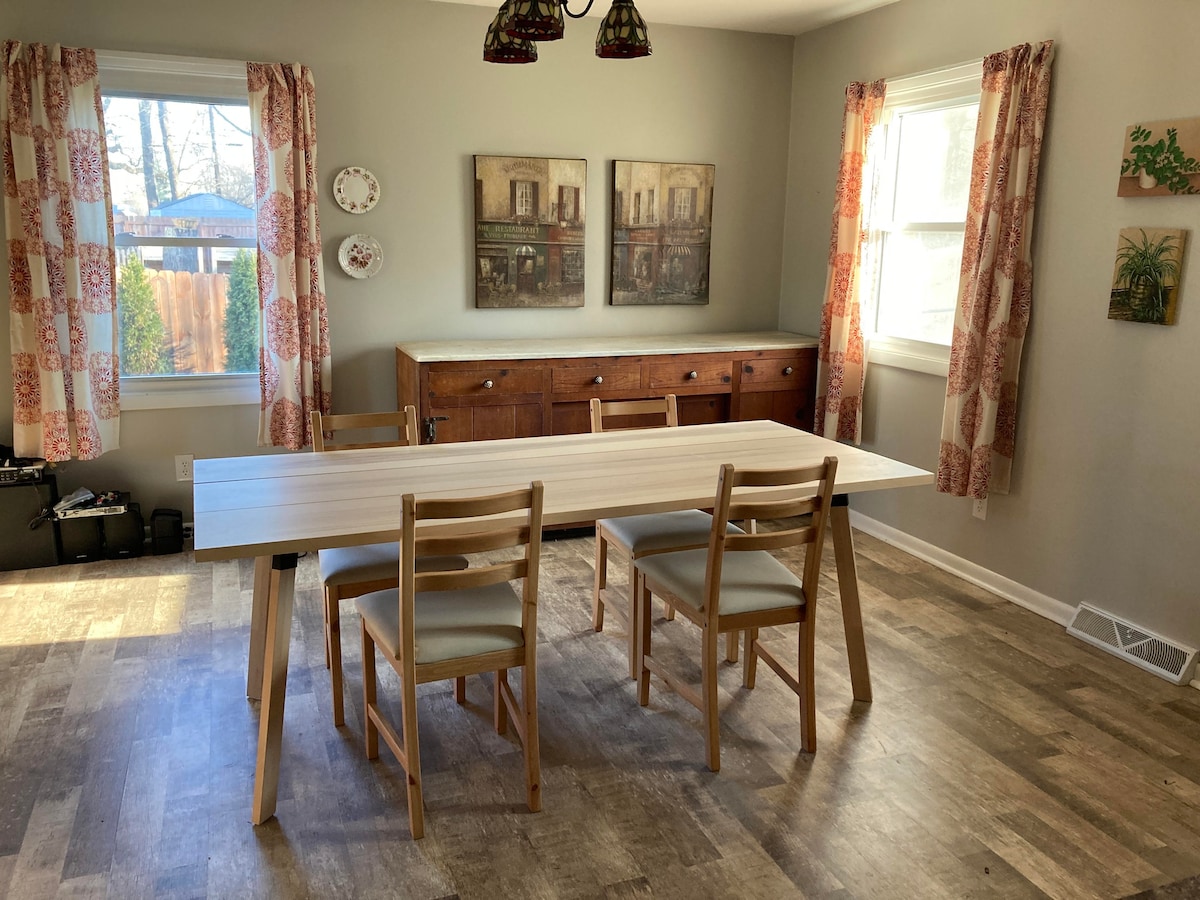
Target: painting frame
x,y
661,233
1148,275
530,220
1160,159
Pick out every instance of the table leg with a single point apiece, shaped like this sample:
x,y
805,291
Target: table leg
x,y
282,582
258,627
847,571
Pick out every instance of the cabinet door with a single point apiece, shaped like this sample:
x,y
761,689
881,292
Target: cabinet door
x,y
488,423
794,408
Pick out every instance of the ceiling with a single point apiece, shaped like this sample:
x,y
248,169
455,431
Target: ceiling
x,y
764,16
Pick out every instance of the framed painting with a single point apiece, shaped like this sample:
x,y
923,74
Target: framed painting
x,y
529,225
1147,274
1160,159
661,233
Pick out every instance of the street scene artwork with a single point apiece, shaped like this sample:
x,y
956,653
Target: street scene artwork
x,y
529,227
1146,276
661,233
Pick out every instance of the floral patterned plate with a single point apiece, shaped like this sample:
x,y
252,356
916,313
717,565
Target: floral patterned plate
x,y
360,256
355,189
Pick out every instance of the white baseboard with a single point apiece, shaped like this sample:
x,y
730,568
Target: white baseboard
x,y
1043,605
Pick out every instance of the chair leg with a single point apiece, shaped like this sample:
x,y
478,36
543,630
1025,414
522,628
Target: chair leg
x,y
533,763
601,582
333,654
500,714
635,622
644,631
708,688
731,646
751,665
460,690
412,753
371,731
808,693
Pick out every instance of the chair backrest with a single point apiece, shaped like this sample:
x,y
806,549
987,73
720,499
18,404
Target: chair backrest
x,y
471,525
791,493
661,412
403,424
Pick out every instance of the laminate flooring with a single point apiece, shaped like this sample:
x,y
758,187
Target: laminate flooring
x,y
1000,758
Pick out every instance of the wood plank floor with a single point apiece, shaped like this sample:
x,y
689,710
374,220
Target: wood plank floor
x,y
1001,758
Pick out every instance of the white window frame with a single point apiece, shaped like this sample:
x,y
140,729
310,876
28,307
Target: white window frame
x,y
523,199
938,89
166,77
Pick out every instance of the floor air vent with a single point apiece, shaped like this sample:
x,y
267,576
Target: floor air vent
x,y
1167,659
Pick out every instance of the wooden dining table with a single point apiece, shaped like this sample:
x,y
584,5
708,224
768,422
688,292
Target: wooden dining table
x,y
275,507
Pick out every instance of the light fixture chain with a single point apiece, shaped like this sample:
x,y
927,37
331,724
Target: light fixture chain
x,y
586,9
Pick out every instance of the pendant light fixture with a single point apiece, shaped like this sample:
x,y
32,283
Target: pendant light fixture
x,y
520,23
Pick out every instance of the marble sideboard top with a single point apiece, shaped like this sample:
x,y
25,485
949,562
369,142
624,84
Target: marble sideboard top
x,y
634,345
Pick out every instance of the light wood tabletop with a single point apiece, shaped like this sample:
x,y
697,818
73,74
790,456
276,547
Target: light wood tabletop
x,y
276,506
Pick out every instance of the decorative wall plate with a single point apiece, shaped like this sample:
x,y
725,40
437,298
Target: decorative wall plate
x,y
355,189
360,256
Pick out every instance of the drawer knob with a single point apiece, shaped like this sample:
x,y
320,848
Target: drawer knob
x,y
489,384
693,375
788,370
599,379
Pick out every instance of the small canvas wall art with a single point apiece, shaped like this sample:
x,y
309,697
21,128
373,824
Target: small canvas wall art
x,y
1147,275
1161,159
661,233
529,222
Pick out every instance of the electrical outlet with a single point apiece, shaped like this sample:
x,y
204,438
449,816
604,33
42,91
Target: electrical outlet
x,y
188,531
183,467
979,509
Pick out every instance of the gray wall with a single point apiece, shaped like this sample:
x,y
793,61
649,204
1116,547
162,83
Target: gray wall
x,y
1105,502
402,90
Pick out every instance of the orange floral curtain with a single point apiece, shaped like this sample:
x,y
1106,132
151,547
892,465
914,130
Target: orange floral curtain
x,y
295,369
995,293
61,254
841,363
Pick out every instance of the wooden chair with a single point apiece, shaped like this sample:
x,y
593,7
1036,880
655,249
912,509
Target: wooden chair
x,y
638,536
737,584
452,623
347,572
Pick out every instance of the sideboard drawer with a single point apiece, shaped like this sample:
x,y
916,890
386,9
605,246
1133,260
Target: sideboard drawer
x,y
685,372
791,372
485,382
597,379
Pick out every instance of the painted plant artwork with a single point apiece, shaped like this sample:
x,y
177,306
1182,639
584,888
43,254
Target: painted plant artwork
x,y
1161,159
1147,275
529,225
661,233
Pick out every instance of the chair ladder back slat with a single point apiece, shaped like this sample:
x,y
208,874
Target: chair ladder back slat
x,y
473,507
504,536
771,540
462,579
779,477
403,421
765,510
665,407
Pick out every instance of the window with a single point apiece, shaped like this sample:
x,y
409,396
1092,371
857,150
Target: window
x,y
523,199
921,166
568,204
572,266
651,215
682,202
637,208
181,169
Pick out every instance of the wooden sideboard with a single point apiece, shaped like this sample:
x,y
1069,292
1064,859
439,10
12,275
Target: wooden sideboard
x,y
491,389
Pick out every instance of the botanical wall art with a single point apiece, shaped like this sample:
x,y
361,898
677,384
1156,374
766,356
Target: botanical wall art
x,y
529,219
1147,274
661,232
1160,159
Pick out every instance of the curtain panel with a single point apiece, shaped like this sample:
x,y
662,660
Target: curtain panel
x,y
61,254
295,368
841,361
995,293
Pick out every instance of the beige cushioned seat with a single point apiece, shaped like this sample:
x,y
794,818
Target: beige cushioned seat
x,y
662,531
374,562
448,624
750,581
